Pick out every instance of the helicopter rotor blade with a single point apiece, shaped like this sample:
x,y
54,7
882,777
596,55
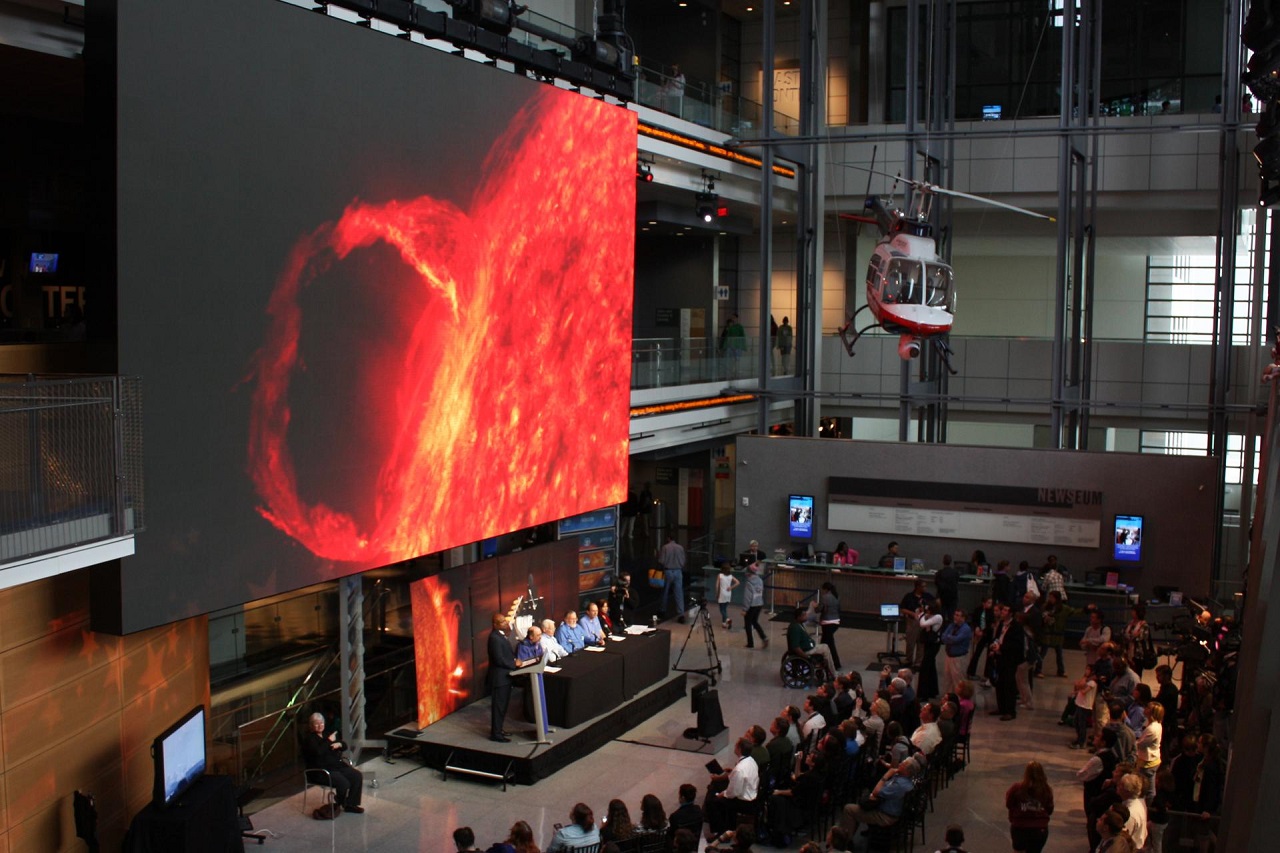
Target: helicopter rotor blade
x,y
984,200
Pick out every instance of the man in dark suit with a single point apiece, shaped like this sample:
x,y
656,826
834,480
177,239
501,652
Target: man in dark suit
x,y
502,661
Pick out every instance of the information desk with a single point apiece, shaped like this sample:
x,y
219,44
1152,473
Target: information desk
x,y
203,820
646,660
862,589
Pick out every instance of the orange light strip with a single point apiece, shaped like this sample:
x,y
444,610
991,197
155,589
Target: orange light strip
x,y
690,405
714,150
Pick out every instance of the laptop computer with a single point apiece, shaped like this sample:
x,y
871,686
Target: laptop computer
x,y
889,611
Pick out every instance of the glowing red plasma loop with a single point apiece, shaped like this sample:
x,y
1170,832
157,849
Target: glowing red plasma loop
x,y
523,416
441,675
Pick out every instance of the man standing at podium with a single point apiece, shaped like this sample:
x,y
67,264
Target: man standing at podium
x,y
502,661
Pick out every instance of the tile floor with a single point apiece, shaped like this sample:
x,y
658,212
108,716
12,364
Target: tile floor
x,y
413,809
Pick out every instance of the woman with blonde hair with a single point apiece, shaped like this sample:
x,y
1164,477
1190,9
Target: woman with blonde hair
x,y
1030,803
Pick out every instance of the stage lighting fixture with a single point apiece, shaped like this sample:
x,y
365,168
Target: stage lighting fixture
x,y
706,206
644,172
498,16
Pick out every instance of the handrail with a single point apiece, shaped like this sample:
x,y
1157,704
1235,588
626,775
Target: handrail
x,y
287,716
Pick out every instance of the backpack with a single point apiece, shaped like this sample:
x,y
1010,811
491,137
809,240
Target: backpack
x,y
329,811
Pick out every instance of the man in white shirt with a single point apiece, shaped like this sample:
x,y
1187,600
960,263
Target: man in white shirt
x,y
722,809
550,645
927,735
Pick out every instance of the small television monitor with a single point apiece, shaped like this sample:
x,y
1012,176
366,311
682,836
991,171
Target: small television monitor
x,y
991,112
43,263
900,565
179,755
1129,530
889,611
800,517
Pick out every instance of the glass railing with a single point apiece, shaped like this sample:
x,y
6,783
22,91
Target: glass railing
x,y
663,362
702,103
71,456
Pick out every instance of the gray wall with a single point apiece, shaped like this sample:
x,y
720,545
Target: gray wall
x,y
1174,493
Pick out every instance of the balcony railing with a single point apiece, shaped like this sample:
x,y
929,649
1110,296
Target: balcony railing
x,y
70,463
663,362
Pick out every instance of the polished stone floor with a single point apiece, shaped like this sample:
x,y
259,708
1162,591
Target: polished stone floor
x,y
413,809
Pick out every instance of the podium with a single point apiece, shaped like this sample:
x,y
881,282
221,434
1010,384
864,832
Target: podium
x,y
538,690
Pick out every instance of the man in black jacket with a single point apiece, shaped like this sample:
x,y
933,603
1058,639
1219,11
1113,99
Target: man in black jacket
x,y
1009,646
688,815
502,662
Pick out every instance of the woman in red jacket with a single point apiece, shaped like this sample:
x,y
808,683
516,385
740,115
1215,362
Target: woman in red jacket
x,y
1030,802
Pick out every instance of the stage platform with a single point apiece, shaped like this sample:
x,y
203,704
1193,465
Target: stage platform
x,y
462,738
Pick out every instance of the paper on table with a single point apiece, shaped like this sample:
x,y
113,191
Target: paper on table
x,y
552,669
595,648
617,638
637,629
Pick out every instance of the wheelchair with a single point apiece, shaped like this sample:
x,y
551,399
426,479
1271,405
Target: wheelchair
x,y
800,671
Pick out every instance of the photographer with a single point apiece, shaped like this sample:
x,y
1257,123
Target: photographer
x,y
621,597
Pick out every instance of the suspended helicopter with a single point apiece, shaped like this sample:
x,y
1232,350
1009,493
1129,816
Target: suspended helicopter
x,y
910,289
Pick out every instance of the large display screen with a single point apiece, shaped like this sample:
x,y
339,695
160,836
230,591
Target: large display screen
x,y
380,298
1128,538
179,757
800,517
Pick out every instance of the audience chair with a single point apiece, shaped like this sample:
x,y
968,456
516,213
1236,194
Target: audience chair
x,y
315,777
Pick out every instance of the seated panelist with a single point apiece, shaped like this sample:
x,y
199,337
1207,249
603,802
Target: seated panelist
x,y
570,634
591,626
550,645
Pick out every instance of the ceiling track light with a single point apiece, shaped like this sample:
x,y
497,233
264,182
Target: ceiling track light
x,y
707,206
644,172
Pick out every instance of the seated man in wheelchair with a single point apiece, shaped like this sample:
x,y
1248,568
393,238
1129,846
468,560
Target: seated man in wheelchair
x,y
800,643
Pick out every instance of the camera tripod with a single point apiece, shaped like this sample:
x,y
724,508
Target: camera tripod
x,y
701,619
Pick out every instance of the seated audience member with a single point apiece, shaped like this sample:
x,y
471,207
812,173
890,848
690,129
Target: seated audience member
x,y
325,753
949,719
887,800
465,840
814,705
927,737
570,633
721,809
954,837
688,814
1112,836
800,642
653,817
592,630
740,841
839,840
873,725
792,713
853,737
845,700
519,840
684,841
895,746
617,824
550,645
779,748
757,735
792,804
581,831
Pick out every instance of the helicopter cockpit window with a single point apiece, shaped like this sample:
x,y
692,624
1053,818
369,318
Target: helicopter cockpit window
x,y
940,293
902,281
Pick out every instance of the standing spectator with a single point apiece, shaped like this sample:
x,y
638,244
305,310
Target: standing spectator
x,y
1030,620
947,582
911,608
671,95
733,340
644,509
1114,838
786,339
954,838
1129,789
753,601
628,511
1137,634
983,622
956,638
726,583
1086,691
1051,580
1002,584
1009,649
1053,631
930,643
1023,582
1094,636
672,558
829,619
1030,803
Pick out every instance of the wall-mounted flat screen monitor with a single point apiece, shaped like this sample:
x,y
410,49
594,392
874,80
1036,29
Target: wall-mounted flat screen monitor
x,y
43,263
179,755
1128,538
800,517
991,112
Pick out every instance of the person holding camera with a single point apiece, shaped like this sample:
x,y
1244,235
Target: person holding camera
x,y
620,597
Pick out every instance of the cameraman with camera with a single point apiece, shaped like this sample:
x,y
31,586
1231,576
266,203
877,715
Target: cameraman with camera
x,y
620,597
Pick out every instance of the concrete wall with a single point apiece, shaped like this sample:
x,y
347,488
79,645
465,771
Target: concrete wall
x,y
1174,493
